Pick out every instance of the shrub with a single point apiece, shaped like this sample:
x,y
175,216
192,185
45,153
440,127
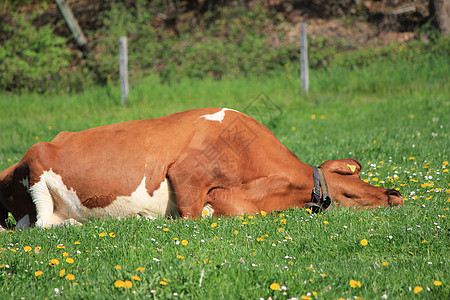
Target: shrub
x,y
33,59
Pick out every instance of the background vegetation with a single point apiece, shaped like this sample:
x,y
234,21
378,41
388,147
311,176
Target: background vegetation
x,y
386,106
391,115
184,39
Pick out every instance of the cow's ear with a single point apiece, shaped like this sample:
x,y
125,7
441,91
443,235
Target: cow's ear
x,y
348,166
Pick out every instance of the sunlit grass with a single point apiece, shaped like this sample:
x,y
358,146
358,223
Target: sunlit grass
x,y
395,124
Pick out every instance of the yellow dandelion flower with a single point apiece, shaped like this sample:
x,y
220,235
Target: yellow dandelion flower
x,y
260,239
136,278
313,116
263,213
304,297
275,286
184,242
117,267
127,284
244,223
325,222
374,179
354,283
323,275
284,221
385,263
214,225
27,248
118,283
315,294
140,269
53,262
162,282
166,229
62,272
102,234
76,243
236,232
417,289
60,246
112,234
65,254
180,256
322,117
437,283
364,242
280,229
69,260
38,273
70,277
293,128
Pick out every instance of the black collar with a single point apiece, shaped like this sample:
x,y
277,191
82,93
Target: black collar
x,y
319,201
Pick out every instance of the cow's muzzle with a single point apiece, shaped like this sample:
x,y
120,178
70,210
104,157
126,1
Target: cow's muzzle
x,y
394,198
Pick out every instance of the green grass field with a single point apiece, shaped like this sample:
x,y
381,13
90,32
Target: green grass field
x,y
392,117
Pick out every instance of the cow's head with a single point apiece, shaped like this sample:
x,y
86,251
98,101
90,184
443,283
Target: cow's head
x,y
347,189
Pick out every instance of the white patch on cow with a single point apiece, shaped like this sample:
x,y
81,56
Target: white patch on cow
x,y
57,205
23,223
207,211
26,183
54,202
161,203
218,116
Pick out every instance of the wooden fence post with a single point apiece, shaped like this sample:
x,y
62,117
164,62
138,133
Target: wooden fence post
x,y
304,73
72,23
123,59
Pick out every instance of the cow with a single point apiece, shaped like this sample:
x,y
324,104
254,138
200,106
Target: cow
x,y
210,161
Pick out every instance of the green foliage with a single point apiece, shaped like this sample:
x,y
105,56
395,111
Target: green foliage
x,y
235,41
389,115
227,41
33,59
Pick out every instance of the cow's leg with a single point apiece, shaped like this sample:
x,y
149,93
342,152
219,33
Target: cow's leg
x,y
190,199
43,201
273,192
46,214
234,201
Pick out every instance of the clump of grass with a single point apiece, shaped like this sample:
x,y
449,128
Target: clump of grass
x,y
398,131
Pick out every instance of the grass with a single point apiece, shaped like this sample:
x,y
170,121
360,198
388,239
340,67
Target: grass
x,y
393,118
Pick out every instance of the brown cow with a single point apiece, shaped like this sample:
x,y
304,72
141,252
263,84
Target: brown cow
x,y
205,161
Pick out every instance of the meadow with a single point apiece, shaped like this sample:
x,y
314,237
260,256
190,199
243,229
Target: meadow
x,y
392,117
